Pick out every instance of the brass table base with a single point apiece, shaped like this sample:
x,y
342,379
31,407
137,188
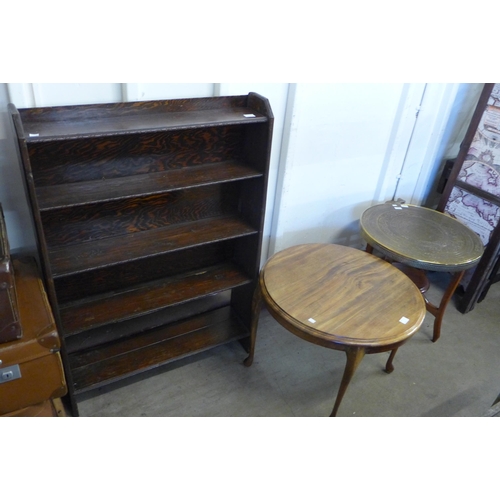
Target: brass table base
x,y
419,277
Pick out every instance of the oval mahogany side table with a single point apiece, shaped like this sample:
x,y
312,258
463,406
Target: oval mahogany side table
x,y
341,298
425,240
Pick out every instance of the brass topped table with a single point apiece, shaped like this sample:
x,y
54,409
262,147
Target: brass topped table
x,y
425,240
341,298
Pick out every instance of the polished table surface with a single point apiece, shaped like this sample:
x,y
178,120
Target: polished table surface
x,y
421,237
341,298
426,240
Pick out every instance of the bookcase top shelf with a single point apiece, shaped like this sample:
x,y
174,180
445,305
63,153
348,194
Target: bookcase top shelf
x,y
101,120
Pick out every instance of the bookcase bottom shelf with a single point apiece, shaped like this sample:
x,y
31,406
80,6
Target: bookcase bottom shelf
x,y
124,358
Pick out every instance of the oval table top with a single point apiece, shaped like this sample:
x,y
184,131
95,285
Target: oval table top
x,y
337,296
421,237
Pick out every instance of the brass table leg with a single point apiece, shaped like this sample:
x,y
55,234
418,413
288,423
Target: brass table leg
x,y
354,357
438,311
256,307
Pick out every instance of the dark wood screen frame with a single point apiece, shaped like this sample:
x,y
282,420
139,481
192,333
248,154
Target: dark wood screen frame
x,y
484,275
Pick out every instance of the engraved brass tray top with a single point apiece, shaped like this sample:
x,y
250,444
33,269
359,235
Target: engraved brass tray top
x,y
421,237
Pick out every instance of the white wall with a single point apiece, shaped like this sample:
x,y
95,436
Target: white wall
x,y
349,146
337,148
12,195
444,114
338,137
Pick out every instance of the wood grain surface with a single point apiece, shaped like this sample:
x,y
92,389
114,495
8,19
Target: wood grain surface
x,y
339,296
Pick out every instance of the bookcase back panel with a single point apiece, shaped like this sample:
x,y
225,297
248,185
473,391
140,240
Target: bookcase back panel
x,y
112,157
87,223
128,274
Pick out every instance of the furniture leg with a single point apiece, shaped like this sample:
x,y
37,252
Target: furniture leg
x,y
438,312
354,357
256,307
389,368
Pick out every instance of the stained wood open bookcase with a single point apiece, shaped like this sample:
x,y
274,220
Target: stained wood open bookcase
x,y
149,219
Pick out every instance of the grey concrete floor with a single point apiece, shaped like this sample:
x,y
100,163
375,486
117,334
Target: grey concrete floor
x,y
457,376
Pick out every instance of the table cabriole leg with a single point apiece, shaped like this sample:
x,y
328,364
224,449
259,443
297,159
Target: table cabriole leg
x,y
354,357
389,367
256,308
